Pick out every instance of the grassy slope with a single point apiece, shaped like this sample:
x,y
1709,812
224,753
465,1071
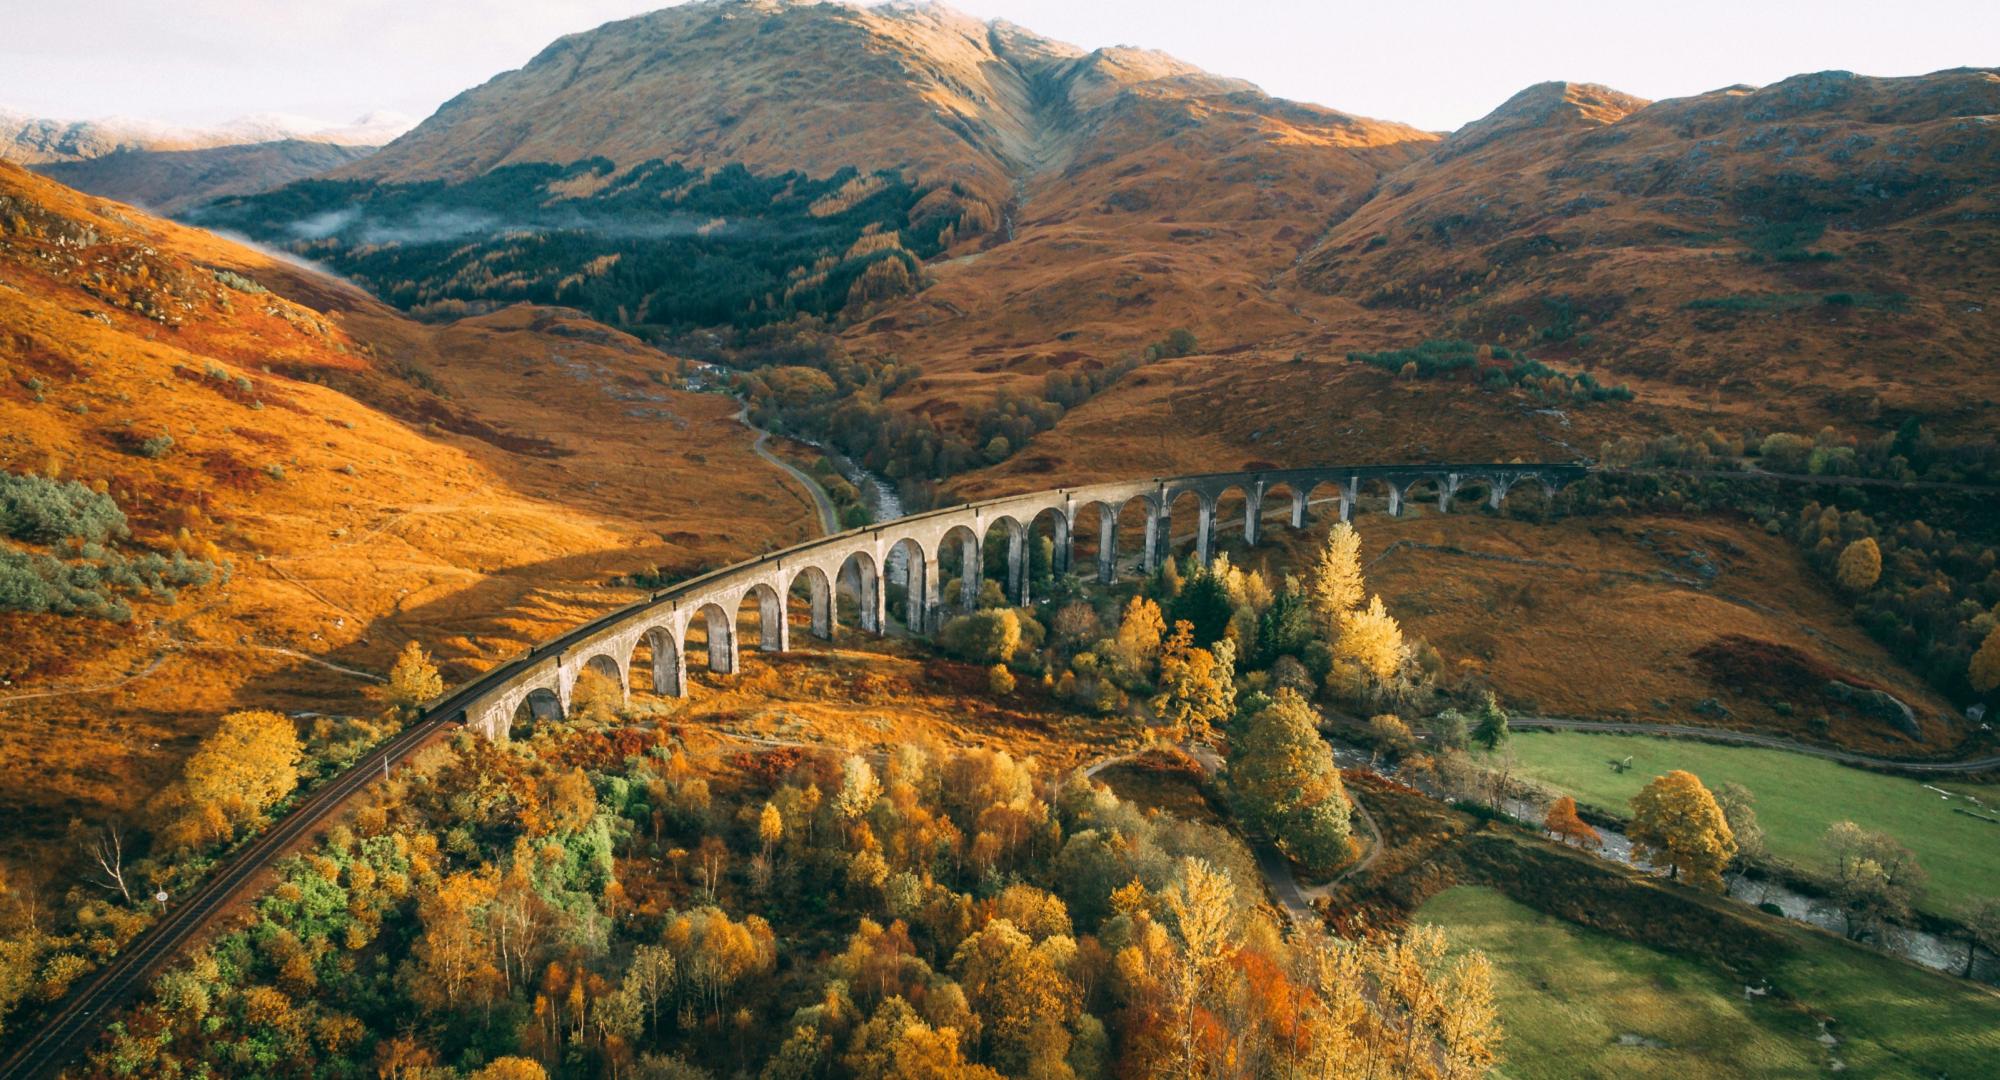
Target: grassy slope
x,y
1797,798
1567,993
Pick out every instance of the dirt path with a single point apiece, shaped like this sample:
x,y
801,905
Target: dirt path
x,y
1751,738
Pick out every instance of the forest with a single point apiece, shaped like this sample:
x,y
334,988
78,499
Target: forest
x,y
657,246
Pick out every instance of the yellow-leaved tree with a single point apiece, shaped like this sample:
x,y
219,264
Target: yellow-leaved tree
x,y
248,762
1197,686
1860,565
1677,824
1334,584
1371,640
1985,667
414,680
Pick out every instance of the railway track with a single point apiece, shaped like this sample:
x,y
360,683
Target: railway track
x,y
71,1030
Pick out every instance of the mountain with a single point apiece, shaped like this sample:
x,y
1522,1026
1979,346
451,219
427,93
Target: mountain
x,y
170,168
33,140
748,162
1017,223
304,470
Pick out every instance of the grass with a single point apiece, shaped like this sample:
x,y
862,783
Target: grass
x,y
1797,798
1578,1002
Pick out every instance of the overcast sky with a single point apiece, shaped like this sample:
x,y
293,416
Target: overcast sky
x,y
1427,62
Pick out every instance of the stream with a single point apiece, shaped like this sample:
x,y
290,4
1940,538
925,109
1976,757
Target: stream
x,y
1917,946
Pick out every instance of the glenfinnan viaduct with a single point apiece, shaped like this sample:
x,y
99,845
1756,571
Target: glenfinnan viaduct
x,y
540,683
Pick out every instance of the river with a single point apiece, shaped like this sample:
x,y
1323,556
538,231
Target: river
x,y
1917,946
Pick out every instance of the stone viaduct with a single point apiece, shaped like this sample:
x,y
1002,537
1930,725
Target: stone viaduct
x,y
540,683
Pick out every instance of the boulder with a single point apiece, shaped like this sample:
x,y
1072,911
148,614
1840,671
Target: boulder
x,y
1880,704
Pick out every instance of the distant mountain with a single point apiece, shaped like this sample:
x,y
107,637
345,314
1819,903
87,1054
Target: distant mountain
x,y
169,168
33,140
173,180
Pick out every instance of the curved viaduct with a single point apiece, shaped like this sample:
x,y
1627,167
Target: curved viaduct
x,y
540,684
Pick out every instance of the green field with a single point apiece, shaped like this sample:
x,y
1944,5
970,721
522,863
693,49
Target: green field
x,y
1797,798
1577,1002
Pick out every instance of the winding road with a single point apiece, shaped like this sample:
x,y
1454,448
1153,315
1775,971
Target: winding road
x,y
829,517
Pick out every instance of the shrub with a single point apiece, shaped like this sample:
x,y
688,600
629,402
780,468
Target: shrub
x,y
45,511
985,637
158,446
999,681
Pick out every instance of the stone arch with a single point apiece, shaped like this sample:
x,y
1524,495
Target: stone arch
x,y
1474,490
1427,491
713,628
763,601
658,655
607,666
1283,502
912,572
817,595
538,706
1137,522
1526,495
1043,569
858,578
1180,521
1230,515
1094,540
959,556
1377,494
1014,535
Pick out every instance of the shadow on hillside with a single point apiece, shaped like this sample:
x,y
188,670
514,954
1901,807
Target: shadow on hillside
x,y
505,612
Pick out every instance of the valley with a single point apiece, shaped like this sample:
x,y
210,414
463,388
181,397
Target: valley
x,y
788,539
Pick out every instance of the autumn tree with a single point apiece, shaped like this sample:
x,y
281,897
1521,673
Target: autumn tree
x,y
1874,877
1197,686
1334,585
1200,906
451,964
1284,776
1860,565
250,761
1371,642
770,828
1140,631
1022,995
414,680
989,636
1677,824
1984,671
511,1068
1566,825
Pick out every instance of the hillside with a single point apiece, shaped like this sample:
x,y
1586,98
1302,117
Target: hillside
x,y
356,480
1815,250
167,181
